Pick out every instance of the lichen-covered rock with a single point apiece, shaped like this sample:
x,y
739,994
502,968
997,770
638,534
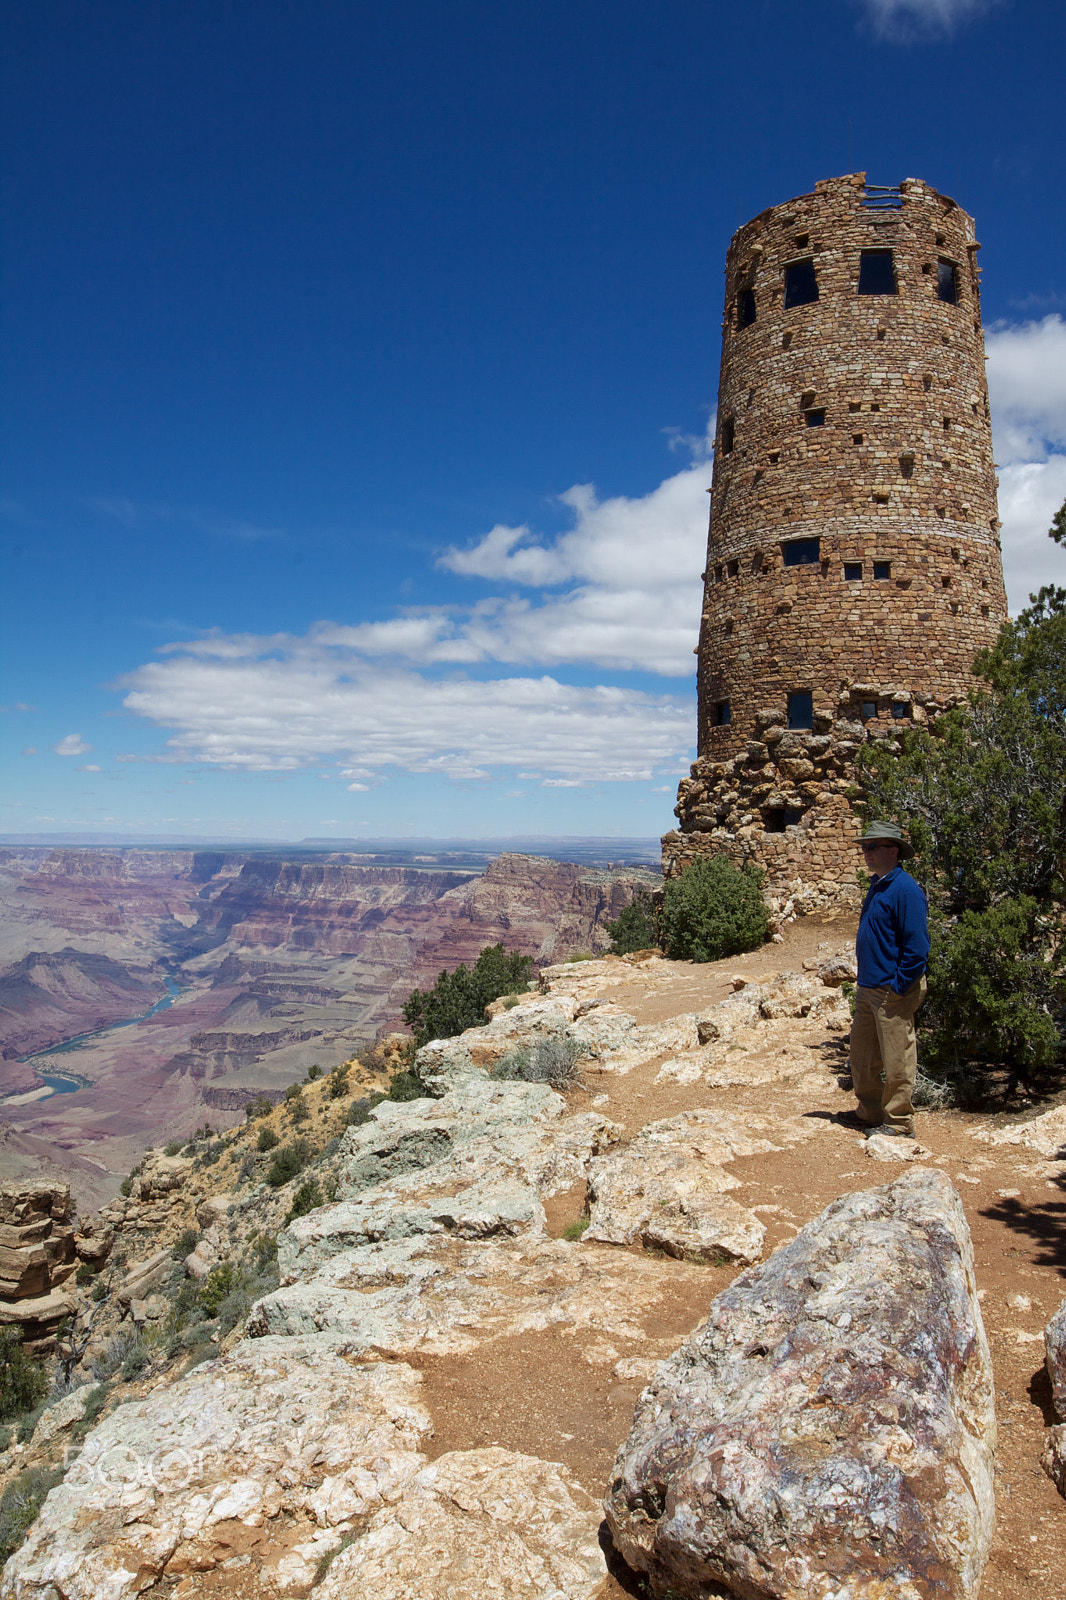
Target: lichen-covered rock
x,y
830,1433
477,1522
1053,1456
667,1188
1055,1346
1045,1134
274,1451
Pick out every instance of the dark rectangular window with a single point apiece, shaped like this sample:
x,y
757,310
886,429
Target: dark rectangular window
x,y
947,283
801,709
852,571
801,285
900,709
869,709
723,713
882,569
802,552
815,417
728,432
745,308
733,568
876,272
775,820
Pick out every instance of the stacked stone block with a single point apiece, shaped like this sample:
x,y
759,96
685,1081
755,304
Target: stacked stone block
x,y
853,565
37,1257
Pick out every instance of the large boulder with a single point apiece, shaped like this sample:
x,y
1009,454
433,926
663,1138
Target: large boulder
x,y
831,1429
1053,1458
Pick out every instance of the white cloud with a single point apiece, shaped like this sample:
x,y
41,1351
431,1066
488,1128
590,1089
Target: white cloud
x,y
309,705
904,19
1030,492
72,745
92,767
1027,387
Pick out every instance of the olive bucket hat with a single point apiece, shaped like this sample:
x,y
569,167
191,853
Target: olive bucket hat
x,y
891,834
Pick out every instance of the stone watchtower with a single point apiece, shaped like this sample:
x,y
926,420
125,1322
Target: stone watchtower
x,y
853,561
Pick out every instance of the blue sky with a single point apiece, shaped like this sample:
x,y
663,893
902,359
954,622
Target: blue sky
x,y
358,365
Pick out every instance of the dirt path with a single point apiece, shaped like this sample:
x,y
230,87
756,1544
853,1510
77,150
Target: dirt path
x,y
539,1394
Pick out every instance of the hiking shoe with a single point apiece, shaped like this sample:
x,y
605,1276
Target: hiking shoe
x,y
887,1131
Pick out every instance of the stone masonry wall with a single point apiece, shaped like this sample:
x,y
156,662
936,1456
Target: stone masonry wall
x,y
853,428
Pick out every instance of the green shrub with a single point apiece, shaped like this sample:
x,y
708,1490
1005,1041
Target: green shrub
x,y
95,1401
308,1197
23,1382
108,1361
259,1107
574,1230
185,1244
288,1163
136,1361
458,999
84,1274
126,1186
268,1140
637,927
314,1071
299,1111
359,1110
21,1503
338,1083
293,1092
713,909
553,1060
173,1148
220,1282
406,1086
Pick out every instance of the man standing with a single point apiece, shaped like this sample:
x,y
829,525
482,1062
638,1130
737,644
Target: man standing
x,y
891,949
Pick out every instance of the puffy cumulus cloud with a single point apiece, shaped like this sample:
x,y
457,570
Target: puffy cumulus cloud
x,y
308,705
904,19
72,745
1027,387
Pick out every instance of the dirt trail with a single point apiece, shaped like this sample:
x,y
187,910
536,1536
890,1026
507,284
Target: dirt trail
x,y
537,1393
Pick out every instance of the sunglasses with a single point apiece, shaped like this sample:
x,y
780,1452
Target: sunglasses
x,y
879,844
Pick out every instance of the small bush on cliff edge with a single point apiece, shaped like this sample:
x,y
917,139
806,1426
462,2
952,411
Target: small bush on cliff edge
x,y
713,909
23,1382
635,928
458,999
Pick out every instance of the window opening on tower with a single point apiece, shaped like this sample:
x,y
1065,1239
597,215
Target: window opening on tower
x,y
801,285
869,710
802,552
947,283
728,433
723,713
814,416
876,272
852,571
801,709
882,569
745,308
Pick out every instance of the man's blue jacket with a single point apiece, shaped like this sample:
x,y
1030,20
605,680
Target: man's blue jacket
x,y
892,945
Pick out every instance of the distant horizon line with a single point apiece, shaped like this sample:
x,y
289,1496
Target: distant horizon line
x,y
318,842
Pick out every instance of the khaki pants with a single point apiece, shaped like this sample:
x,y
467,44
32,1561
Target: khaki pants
x,y
884,1054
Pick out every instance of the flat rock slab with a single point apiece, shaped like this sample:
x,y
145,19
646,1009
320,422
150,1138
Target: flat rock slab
x,y
473,1524
667,1189
1045,1134
830,1433
273,1451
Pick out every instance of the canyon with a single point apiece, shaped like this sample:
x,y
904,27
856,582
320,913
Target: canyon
x,y
208,978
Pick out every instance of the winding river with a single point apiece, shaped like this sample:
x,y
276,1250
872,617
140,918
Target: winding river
x,y
69,1083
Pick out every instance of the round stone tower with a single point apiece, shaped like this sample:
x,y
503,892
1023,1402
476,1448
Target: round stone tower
x,y
853,562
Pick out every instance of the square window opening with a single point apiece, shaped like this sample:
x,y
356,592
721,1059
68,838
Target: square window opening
x,y
869,710
877,275
856,438
854,405
801,284
723,713
746,308
947,283
900,709
728,435
906,466
852,571
947,424
734,569
875,406
802,241
802,552
945,583
815,417
775,820
801,709
775,457
882,570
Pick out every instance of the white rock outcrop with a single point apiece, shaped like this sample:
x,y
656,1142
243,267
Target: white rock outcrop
x,y
1053,1457
831,1430
477,1523
277,1449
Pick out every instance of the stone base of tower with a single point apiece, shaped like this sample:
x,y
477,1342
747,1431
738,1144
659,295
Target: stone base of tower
x,y
784,803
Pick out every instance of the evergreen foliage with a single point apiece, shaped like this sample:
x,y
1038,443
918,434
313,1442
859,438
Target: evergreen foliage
x,y
458,999
713,909
635,928
553,1060
23,1383
288,1163
983,796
